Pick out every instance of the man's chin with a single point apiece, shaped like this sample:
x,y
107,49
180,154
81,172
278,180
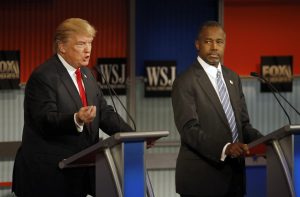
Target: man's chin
x,y
85,64
214,61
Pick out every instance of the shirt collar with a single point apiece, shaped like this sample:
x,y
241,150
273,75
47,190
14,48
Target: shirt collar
x,y
210,69
71,70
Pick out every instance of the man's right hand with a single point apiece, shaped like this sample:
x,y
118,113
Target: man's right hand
x,y
86,114
237,150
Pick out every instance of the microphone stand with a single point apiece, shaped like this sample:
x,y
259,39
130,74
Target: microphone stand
x,y
150,192
272,88
112,90
271,85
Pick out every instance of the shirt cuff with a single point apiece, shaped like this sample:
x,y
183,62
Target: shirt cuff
x,y
79,127
223,155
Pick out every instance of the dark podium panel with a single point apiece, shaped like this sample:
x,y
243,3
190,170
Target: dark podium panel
x,y
119,162
283,161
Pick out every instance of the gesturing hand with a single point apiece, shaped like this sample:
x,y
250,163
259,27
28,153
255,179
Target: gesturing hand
x,y
86,114
237,150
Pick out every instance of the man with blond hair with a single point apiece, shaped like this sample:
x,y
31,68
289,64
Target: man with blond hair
x,y
63,111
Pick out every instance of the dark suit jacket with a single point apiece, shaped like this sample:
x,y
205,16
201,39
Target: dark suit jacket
x,y
204,131
50,134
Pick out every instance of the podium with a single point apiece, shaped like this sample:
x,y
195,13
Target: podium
x,y
283,161
119,164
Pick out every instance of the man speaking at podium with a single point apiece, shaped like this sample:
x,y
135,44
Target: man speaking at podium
x,y
211,116
63,111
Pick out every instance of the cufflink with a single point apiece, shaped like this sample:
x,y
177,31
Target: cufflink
x,y
231,82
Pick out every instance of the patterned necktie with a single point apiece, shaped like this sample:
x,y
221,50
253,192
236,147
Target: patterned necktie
x,y
80,87
225,101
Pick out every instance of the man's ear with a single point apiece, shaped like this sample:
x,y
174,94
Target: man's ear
x,y
61,47
197,44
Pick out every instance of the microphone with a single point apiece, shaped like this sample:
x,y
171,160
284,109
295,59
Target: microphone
x,y
110,89
273,87
273,90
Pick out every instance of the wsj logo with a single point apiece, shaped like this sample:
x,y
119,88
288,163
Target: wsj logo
x,y
9,70
277,73
162,77
113,73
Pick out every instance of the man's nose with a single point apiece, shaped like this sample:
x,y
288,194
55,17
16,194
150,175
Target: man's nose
x,y
87,48
214,45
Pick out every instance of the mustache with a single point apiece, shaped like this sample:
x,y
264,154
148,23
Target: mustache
x,y
214,54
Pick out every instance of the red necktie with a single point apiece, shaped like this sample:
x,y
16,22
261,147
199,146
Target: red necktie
x,y
80,87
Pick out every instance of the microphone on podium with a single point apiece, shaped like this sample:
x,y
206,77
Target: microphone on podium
x,y
271,86
111,90
150,192
274,90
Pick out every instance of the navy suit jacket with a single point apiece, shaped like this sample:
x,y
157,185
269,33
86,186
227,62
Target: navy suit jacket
x,y
50,134
204,131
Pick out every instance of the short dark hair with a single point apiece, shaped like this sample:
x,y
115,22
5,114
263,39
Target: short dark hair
x,y
208,24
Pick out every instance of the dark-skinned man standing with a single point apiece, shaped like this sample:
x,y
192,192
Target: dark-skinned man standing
x,y
211,116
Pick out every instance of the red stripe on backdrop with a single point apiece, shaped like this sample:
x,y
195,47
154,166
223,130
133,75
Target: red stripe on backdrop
x,y
260,28
5,184
29,26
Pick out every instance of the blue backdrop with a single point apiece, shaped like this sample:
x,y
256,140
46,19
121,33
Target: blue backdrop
x,y
166,30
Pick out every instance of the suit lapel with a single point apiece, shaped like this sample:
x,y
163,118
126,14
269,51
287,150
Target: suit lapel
x,y
231,87
210,91
88,87
69,84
